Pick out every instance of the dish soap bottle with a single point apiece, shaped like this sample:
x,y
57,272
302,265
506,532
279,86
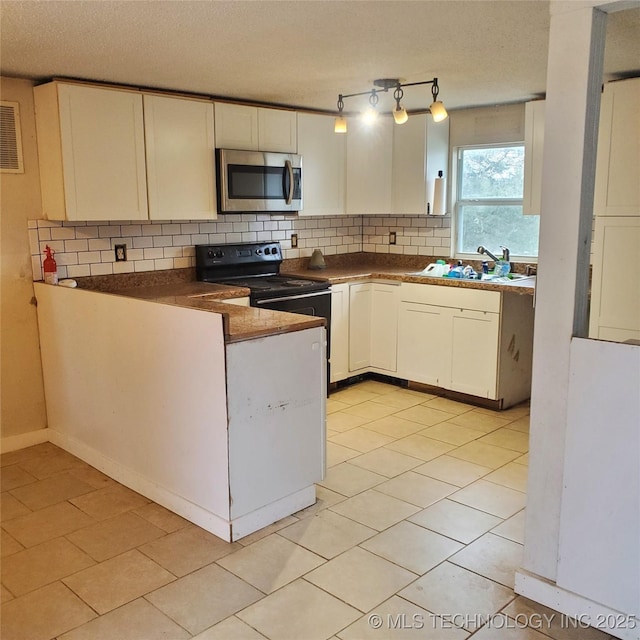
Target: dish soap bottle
x,y
50,267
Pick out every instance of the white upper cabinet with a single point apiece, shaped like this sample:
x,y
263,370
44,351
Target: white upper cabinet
x,y
391,169
533,147
180,165
617,190
420,150
91,152
277,130
236,126
323,165
255,128
369,165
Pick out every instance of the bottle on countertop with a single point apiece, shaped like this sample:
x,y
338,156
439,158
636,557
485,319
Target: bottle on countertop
x,y
50,267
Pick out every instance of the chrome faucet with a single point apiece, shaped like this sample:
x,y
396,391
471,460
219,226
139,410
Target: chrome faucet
x,y
505,253
482,250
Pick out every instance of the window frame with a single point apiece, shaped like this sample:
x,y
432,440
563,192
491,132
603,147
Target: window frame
x,y
458,202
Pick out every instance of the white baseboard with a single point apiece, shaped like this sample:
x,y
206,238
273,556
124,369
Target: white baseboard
x,y
247,524
588,612
134,481
13,443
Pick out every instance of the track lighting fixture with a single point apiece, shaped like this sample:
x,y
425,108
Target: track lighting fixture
x,y
400,116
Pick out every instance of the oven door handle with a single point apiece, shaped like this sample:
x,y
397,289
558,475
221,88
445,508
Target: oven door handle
x,y
324,292
289,168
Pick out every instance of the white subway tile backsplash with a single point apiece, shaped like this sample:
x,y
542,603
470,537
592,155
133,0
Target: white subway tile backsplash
x,y
100,244
131,229
144,265
76,245
142,242
163,263
135,254
151,254
63,233
163,241
88,248
88,257
79,270
181,263
101,269
123,267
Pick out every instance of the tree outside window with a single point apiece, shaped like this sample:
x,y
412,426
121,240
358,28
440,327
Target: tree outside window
x,y
489,201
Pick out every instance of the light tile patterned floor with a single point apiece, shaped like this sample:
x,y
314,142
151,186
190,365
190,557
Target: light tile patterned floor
x,y
419,522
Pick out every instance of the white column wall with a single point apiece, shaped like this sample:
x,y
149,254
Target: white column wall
x,y
574,34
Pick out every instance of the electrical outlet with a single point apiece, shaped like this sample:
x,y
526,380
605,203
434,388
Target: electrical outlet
x,y
392,237
294,240
121,252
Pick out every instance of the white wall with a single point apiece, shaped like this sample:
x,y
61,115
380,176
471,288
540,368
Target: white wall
x,y
574,76
22,395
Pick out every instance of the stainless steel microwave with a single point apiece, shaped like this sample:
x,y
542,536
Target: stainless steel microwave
x,y
258,181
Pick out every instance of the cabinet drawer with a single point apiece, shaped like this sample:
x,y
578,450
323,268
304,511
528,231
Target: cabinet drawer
x,y
444,296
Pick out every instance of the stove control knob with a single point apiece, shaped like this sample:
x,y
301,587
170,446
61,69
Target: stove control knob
x,y
258,251
211,253
219,253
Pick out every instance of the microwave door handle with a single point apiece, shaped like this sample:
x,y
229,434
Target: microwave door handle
x,y
289,168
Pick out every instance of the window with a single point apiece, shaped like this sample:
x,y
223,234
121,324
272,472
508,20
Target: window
x,y
490,183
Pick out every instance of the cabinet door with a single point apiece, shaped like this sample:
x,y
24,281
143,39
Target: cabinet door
x,y
323,162
615,297
339,332
369,157
179,151
277,130
617,191
359,326
384,325
533,149
409,177
236,126
102,140
473,358
424,342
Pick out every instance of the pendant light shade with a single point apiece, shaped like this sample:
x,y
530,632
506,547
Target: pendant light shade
x,y
340,125
400,115
438,112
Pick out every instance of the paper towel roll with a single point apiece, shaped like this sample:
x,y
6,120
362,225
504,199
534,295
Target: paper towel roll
x,y
439,197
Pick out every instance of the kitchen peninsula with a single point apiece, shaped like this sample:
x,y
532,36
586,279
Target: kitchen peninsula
x,y
214,410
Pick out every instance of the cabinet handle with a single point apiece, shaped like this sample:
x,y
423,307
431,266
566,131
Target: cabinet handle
x,y
289,167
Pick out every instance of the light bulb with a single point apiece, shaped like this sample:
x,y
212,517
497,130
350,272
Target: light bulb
x,y
370,115
438,112
400,115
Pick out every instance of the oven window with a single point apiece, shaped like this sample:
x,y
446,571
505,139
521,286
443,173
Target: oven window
x,y
247,182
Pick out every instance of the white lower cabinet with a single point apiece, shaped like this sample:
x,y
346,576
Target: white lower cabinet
x,y
384,326
359,326
420,345
339,335
467,340
451,347
364,328
473,352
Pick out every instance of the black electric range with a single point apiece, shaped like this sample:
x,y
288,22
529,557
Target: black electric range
x,y
255,266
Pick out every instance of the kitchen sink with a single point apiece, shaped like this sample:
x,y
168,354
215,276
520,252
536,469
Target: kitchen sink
x,y
487,277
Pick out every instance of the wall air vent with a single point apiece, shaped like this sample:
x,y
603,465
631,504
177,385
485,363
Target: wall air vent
x,y
10,138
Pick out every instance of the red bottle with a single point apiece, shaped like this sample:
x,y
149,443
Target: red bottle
x,y
50,267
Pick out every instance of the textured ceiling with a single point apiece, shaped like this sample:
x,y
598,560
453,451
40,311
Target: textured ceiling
x,y
300,53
